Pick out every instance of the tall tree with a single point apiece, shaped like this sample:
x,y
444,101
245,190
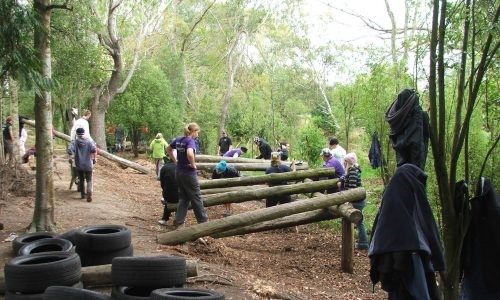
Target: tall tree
x,y
478,50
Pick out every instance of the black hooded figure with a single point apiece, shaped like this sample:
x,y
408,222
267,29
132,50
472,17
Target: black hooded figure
x,y
409,129
405,250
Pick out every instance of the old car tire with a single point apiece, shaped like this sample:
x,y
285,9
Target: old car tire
x,y
153,271
66,292
47,245
35,272
186,294
69,235
103,238
92,258
24,239
19,296
130,293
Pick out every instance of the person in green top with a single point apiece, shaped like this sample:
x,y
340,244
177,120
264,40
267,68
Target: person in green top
x,y
158,146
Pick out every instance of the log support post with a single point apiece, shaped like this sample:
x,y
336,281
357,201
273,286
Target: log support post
x,y
347,260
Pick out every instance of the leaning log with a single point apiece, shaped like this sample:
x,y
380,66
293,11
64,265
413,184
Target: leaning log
x,y
288,221
281,190
231,189
215,159
268,178
262,166
101,152
261,215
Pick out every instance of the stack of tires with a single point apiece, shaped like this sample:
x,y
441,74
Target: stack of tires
x,y
99,244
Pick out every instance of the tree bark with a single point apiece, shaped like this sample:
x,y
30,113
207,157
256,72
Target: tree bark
x,y
248,166
100,152
43,215
231,189
347,262
288,221
14,112
260,215
268,178
242,196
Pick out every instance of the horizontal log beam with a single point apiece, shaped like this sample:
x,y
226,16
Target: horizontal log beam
x,y
215,159
261,215
255,194
231,189
264,179
288,221
100,152
262,166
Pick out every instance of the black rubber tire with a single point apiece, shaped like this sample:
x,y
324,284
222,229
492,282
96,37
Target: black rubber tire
x,y
69,235
91,258
47,245
33,273
24,239
130,293
152,271
103,238
19,296
186,294
66,292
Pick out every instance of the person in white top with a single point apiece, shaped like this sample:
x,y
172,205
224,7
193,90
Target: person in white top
x,y
82,123
337,150
23,136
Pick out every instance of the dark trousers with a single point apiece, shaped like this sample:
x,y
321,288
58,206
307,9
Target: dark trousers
x,y
189,192
82,177
273,201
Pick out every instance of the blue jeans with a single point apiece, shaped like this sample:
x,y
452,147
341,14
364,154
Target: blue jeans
x,y
362,237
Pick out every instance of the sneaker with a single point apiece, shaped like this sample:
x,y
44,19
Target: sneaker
x,y
89,198
12,236
162,222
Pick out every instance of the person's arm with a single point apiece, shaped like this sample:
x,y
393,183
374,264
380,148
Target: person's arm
x,y
170,152
190,157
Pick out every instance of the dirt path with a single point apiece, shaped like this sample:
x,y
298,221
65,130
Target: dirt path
x,y
281,264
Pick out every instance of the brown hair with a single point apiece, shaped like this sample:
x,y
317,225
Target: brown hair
x,y
8,119
86,113
190,128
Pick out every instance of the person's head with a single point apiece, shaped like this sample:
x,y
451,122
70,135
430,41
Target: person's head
x,y
159,136
326,154
74,111
350,159
8,120
166,159
244,149
80,132
223,133
192,130
256,140
221,167
275,158
333,143
86,114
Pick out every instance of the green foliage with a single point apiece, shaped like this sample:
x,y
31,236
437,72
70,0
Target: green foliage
x,y
311,141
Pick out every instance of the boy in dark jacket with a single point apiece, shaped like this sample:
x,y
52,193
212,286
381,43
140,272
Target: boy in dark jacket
x,y
83,151
264,148
170,189
277,167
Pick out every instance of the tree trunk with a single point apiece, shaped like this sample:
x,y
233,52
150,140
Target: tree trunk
x,y
347,262
103,153
242,196
248,166
98,120
288,221
43,215
216,159
231,189
253,217
268,178
14,112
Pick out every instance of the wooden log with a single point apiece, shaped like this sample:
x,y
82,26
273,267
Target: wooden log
x,y
215,159
268,178
209,166
347,257
288,221
261,215
101,275
100,152
242,196
231,189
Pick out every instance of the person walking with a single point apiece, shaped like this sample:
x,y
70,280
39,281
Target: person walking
x,y
8,141
158,146
236,152
169,187
331,162
277,167
225,144
83,122
264,148
189,188
83,152
222,170
352,180
119,138
337,151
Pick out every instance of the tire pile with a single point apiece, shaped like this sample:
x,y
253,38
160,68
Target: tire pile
x,y
49,267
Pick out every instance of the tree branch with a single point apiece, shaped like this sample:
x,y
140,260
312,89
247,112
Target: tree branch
x,y
60,6
183,47
483,166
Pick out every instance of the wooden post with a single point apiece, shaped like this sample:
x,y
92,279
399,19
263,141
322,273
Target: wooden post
x,y
101,152
262,179
253,217
347,260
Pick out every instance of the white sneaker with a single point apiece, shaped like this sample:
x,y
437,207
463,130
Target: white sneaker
x,y
162,222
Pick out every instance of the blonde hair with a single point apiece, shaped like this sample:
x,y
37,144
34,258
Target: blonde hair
x,y
189,128
159,135
86,113
350,159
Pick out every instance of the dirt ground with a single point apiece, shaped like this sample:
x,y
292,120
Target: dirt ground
x,y
281,264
